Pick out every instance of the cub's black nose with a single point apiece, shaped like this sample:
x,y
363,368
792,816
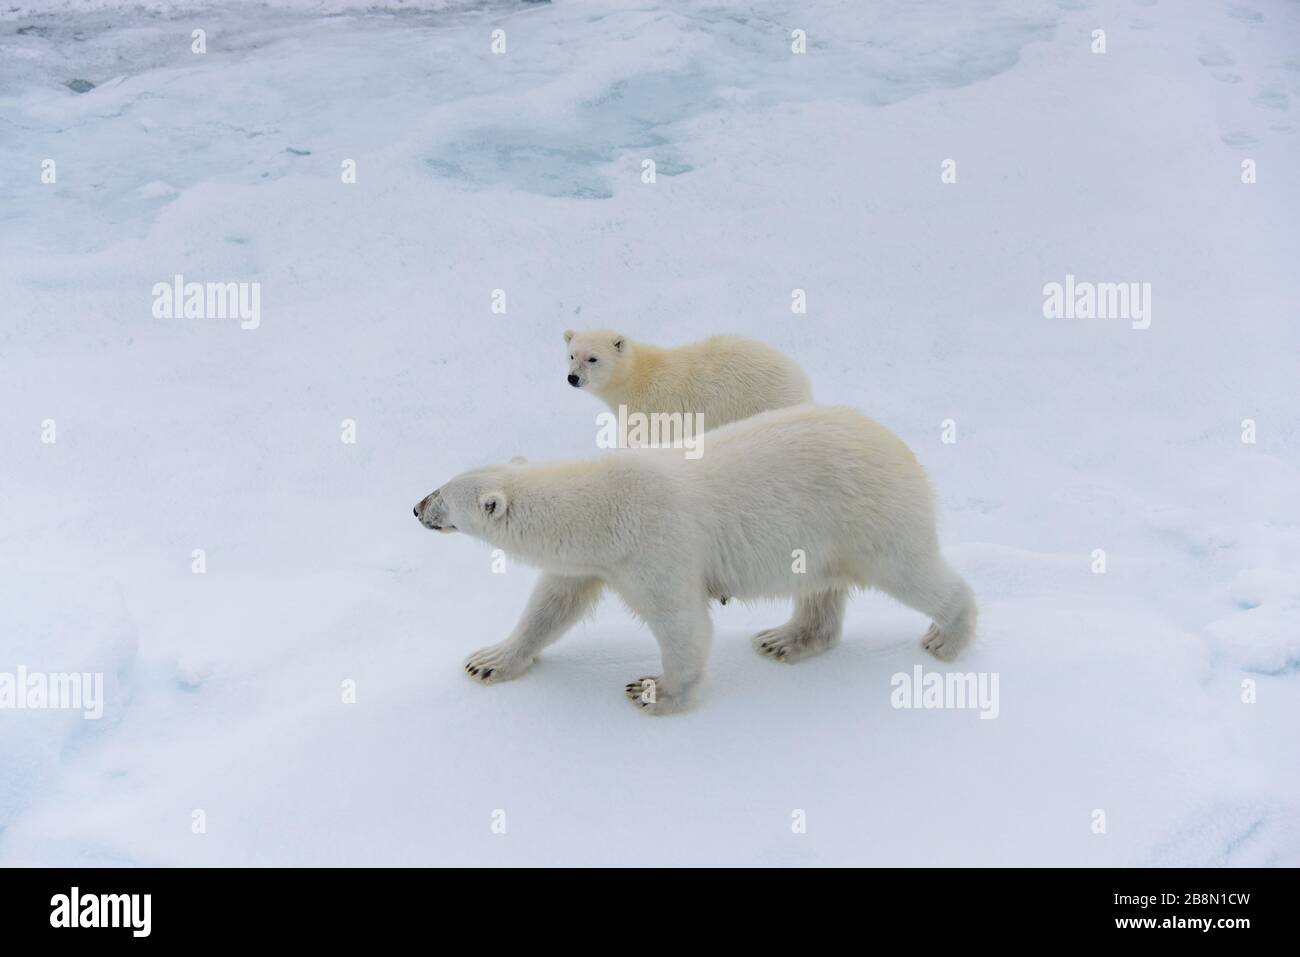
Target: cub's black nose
x,y
573,381
416,511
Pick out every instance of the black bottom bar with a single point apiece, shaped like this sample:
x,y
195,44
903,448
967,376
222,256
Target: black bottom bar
x,y
335,906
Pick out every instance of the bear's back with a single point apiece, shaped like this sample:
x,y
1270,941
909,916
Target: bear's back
x,y
807,451
725,378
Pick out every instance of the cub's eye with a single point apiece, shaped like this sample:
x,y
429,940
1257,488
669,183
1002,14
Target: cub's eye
x,y
592,359
570,358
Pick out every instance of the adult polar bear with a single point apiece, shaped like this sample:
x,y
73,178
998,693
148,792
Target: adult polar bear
x,y
666,532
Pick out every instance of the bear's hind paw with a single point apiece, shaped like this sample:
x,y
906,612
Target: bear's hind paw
x,y
789,644
647,695
643,690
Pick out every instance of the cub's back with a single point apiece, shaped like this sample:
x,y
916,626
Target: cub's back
x,y
730,378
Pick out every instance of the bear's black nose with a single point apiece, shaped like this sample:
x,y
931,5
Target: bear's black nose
x,y
416,511
573,381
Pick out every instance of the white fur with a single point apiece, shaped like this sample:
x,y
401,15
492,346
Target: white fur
x,y
666,532
724,378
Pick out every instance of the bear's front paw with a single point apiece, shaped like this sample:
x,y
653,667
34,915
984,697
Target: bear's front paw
x,y
495,663
943,646
648,695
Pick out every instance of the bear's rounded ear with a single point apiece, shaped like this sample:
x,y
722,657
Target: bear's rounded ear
x,y
618,343
518,460
493,504
568,335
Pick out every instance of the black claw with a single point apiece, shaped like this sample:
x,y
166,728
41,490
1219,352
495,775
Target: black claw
x,y
488,673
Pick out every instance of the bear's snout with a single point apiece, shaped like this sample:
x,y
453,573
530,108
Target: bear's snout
x,y
573,381
423,504
432,512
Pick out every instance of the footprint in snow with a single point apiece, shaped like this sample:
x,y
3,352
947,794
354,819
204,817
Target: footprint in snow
x,y
1218,62
1271,98
1238,139
1244,14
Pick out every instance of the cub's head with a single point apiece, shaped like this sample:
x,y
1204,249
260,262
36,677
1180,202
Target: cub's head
x,y
595,357
474,502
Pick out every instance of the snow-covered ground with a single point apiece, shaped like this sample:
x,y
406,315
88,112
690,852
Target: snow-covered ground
x,y
223,692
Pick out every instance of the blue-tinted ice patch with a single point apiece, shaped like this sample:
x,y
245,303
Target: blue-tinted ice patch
x,y
633,114
554,116
565,171
733,58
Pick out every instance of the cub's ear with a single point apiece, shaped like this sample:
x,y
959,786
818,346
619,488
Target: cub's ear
x,y
619,341
518,460
568,335
493,504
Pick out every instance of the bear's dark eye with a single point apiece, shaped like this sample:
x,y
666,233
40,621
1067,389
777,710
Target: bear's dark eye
x,y
592,359
570,358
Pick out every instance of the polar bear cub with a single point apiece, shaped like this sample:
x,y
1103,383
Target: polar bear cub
x,y
807,502
723,378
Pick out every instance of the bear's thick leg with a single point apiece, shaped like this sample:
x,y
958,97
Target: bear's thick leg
x,y
556,604
934,588
684,634
813,628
